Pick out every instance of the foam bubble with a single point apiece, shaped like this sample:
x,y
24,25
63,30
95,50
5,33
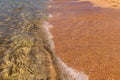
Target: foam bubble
x,y
47,27
50,16
66,71
70,73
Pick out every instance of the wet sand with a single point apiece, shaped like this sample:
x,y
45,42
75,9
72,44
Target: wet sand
x,y
87,38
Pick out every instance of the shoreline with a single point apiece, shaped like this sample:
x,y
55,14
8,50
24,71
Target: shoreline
x,y
64,71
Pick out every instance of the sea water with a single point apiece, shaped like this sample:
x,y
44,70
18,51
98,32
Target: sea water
x,y
18,39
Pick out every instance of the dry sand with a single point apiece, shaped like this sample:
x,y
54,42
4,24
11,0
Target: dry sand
x,y
87,38
105,3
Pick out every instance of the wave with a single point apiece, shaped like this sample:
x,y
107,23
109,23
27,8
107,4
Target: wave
x,y
65,72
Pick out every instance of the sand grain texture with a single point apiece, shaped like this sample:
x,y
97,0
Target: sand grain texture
x,y
87,38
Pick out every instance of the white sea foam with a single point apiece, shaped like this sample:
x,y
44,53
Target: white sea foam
x,y
50,16
67,71
47,27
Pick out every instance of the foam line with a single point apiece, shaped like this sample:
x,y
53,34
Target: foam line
x,y
70,73
66,71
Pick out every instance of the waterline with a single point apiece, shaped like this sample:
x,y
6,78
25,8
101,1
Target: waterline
x,y
66,72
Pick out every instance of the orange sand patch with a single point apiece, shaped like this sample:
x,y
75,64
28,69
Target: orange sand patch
x,y
87,38
105,3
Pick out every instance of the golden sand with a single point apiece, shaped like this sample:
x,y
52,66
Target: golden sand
x,y
105,3
87,38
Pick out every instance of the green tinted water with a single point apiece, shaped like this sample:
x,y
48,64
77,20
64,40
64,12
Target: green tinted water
x,y
25,52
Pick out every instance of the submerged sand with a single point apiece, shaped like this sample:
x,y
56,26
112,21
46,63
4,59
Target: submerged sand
x,y
87,38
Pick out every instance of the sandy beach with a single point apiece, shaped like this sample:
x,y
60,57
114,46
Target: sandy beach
x,y
87,37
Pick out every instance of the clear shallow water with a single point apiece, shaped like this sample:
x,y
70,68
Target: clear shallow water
x,y
17,25
14,11
15,14
24,43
